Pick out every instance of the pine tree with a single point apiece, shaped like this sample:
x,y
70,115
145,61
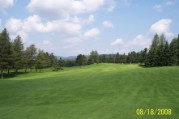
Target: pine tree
x,y
173,50
25,60
178,49
153,59
61,62
30,54
117,58
18,53
93,58
40,60
160,51
81,60
143,56
5,51
55,64
166,55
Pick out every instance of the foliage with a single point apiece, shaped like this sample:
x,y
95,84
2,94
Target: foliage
x,y
13,56
81,60
5,51
94,57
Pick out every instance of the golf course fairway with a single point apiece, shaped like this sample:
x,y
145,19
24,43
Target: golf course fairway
x,y
98,91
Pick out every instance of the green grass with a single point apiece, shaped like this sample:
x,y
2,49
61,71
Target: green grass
x,y
100,91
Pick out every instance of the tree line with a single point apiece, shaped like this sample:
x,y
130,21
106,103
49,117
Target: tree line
x,y
13,56
160,53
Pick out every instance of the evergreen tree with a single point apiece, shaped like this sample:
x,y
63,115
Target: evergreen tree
x,y
143,56
40,60
61,62
25,60
160,51
81,60
153,59
178,49
166,55
123,58
117,58
102,58
5,51
18,53
55,64
173,51
93,58
31,53
11,58
51,59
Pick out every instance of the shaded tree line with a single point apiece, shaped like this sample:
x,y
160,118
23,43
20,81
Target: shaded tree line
x,y
14,57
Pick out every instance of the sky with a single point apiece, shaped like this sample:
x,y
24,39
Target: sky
x,y
72,27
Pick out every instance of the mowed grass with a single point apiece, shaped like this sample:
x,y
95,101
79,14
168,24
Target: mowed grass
x,y
99,91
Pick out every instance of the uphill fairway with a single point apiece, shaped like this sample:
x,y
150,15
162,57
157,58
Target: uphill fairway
x,y
99,91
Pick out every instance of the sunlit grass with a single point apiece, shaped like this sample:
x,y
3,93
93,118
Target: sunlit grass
x,y
99,91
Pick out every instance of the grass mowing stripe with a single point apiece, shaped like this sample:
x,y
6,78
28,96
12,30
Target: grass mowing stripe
x,y
99,91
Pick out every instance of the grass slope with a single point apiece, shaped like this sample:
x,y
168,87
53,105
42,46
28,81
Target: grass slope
x,y
100,91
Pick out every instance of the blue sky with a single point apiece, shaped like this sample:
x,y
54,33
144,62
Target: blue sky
x,y
71,27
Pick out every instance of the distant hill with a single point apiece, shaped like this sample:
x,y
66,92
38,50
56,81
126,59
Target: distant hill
x,y
67,58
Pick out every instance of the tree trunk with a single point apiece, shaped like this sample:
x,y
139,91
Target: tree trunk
x,y
2,74
16,70
25,69
8,71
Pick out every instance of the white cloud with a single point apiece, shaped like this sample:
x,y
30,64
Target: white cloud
x,y
117,42
46,42
92,33
14,24
46,45
139,41
143,41
63,8
111,5
69,46
5,4
34,24
90,19
107,24
89,34
158,8
162,26
73,40
171,2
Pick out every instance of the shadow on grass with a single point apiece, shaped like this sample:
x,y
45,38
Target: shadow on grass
x,y
142,65
149,67
13,74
